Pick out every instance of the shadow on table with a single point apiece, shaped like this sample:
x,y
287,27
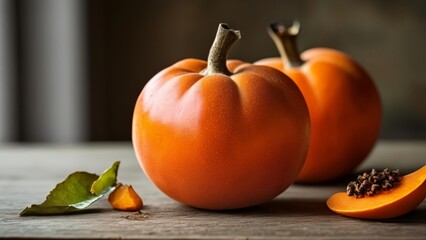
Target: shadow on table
x,y
285,206
418,216
81,212
298,207
280,206
318,207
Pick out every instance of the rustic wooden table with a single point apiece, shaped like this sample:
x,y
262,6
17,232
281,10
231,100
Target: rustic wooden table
x,y
29,172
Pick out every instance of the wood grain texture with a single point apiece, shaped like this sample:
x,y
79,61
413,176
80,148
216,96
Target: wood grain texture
x,y
29,172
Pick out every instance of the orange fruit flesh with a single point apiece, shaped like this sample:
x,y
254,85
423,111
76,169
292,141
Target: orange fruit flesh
x,y
405,197
125,198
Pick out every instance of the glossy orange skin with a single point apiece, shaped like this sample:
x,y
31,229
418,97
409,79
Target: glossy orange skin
x,y
221,142
345,110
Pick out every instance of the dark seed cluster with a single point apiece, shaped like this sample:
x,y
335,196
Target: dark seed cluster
x,y
371,183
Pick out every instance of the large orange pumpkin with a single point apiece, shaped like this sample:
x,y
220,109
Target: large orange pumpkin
x,y
220,136
343,102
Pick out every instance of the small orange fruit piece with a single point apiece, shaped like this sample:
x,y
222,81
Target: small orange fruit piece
x,y
125,198
409,193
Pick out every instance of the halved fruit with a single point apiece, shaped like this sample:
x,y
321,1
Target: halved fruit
x,y
409,193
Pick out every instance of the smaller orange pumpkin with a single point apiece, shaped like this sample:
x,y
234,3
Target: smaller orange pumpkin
x,y
344,105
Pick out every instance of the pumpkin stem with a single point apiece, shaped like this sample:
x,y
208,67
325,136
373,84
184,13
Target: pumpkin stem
x,y
225,38
285,40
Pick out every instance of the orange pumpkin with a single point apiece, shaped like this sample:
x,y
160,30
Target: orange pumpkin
x,y
218,136
344,105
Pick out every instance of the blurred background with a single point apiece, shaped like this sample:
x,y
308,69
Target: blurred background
x,y
71,70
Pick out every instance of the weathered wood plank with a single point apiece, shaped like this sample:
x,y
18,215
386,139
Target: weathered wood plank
x,y
29,172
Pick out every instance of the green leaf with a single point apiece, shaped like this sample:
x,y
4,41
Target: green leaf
x,y
74,193
107,180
